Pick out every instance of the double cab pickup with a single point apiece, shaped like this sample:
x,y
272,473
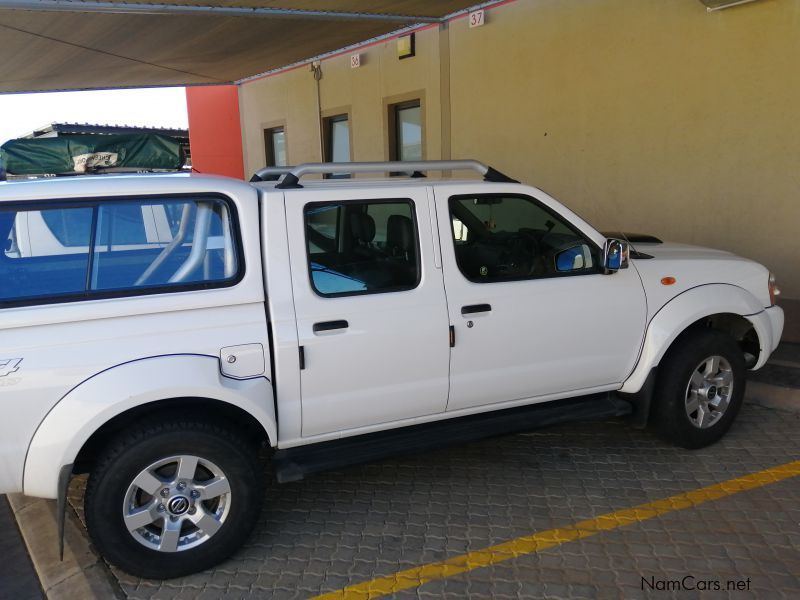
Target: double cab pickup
x,y
187,340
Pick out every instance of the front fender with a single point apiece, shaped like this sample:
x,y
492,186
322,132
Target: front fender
x,y
85,408
687,308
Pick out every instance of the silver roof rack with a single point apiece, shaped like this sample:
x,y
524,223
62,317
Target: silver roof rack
x,y
270,173
292,175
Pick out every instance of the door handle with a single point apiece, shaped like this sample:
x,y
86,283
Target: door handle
x,y
330,325
475,308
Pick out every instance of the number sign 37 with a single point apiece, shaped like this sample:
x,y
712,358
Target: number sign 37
x,y
477,18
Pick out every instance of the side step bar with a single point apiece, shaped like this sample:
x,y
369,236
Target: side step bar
x,y
294,464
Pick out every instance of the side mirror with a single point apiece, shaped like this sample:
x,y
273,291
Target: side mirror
x,y
572,259
615,256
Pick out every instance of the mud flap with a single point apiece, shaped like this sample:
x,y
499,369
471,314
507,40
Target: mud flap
x,y
64,477
642,401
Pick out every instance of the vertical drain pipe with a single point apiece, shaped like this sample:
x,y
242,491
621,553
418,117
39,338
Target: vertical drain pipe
x,y
446,106
316,69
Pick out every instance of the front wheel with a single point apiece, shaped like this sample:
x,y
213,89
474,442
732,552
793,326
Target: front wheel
x,y
700,389
175,498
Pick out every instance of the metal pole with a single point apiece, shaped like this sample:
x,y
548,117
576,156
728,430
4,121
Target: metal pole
x,y
316,69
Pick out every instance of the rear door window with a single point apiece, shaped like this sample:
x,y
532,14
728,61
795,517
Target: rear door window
x,y
362,247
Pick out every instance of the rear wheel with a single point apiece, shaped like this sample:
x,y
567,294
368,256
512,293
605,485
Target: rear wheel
x,y
700,389
173,499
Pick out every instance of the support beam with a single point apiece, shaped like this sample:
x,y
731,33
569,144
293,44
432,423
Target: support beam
x,y
120,8
215,131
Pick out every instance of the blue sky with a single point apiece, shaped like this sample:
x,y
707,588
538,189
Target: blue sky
x,y
155,107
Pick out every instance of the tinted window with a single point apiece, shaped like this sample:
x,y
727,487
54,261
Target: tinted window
x,y
70,227
322,226
36,263
124,224
501,238
133,252
135,246
362,247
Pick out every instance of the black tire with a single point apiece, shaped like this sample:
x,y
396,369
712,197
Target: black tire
x,y
143,445
670,417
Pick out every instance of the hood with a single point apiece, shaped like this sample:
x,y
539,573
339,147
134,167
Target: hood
x,y
693,266
673,251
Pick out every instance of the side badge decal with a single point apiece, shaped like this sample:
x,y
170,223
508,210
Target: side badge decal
x,y
9,365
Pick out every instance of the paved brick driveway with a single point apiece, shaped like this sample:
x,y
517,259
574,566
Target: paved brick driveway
x,y
351,526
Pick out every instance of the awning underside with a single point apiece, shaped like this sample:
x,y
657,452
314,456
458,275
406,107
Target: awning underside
x,y
60,49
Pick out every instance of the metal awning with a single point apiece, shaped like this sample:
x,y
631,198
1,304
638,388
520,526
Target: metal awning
x,y
76,44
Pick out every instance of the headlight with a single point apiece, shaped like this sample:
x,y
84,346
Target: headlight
x,y
774,290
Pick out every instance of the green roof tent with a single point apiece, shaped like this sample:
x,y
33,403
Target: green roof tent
x,y
81,154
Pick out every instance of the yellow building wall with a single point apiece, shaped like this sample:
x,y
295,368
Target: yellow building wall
x,y
643,115
290,98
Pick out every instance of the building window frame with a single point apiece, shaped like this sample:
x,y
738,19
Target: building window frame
x,y
391,107
395,110
329,119
270,159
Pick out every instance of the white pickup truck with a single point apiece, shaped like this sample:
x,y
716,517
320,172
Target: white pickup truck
x,y
174,335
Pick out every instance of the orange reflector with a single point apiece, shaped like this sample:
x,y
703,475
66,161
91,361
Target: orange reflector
x,y
667,280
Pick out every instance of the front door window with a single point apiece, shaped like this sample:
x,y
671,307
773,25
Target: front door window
x,y
511,238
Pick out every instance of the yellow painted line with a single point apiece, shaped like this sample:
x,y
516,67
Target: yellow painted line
x,y
530,544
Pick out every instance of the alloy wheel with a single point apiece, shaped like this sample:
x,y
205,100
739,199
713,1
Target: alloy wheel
x,y
177,503
709,392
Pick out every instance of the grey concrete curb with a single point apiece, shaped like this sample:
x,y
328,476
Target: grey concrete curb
x,y
773,396
81,574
